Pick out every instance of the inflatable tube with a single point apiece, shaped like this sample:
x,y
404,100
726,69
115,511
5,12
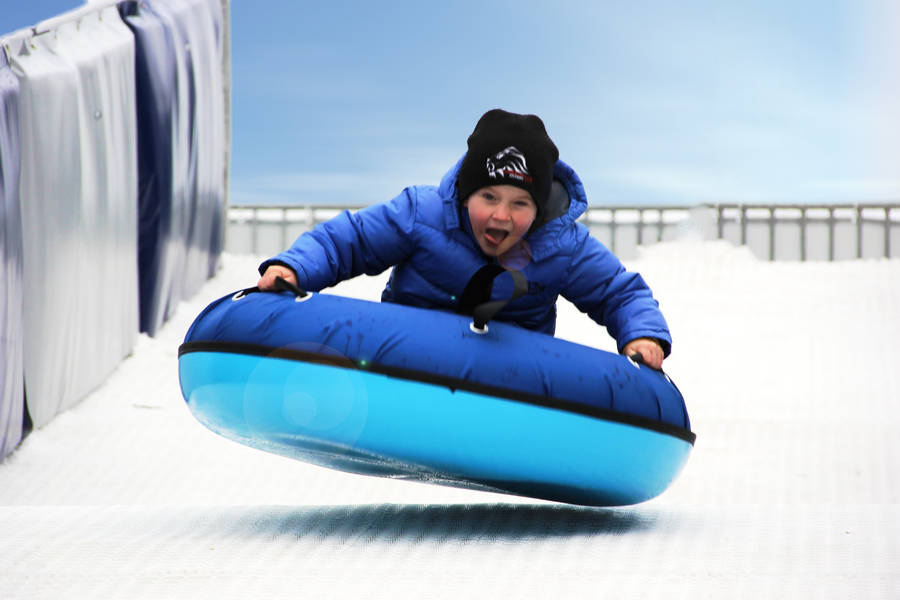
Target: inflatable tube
x,y
395,391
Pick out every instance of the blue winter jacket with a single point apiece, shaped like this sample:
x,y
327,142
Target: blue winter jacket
x,y
427,239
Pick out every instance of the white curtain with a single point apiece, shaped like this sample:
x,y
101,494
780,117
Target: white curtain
x,y
11,333
78,193
78,190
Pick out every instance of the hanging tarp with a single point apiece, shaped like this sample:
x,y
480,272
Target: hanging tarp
x,y
80,224
204,27
101,48
11,333
79,294
157,97
182,160
50,211
200,77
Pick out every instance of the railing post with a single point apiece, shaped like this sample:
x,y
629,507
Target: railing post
x,y
612,230
743,217
640,227
720,225
859,226
803,224
887,231
253,230
830,234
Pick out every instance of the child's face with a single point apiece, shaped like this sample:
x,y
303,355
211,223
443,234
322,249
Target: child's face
x,y
500,215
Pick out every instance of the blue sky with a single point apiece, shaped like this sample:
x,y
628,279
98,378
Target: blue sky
x,y
651,101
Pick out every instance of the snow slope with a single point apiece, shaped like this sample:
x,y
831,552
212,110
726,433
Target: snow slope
x,y
790,374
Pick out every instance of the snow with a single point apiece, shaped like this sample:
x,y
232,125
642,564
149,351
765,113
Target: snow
x,y
790,375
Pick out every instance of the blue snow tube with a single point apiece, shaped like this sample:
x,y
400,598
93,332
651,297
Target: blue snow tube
x,y
402,392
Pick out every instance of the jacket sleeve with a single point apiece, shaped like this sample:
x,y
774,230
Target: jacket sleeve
x,y
368,241
599,285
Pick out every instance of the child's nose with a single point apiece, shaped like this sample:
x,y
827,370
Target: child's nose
x,y
501,213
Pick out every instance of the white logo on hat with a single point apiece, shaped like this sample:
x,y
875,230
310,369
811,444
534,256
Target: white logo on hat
x,y
508,163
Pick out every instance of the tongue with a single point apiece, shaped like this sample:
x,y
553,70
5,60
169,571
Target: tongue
x,y
495,236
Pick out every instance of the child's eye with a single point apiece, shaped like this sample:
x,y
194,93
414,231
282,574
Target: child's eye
x,y
487,196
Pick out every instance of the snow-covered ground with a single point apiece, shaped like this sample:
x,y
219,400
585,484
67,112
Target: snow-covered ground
x,y
791,376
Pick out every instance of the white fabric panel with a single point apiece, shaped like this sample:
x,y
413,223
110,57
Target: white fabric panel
x,y
217,14
12,394
206,47
193,22
50,208
80,224
112,53
183,158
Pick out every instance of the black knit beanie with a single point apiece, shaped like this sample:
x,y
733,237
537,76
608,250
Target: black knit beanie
x,y
509,149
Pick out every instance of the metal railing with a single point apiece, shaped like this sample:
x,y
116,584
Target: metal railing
x,y
271,228
622,228
772,231
865,222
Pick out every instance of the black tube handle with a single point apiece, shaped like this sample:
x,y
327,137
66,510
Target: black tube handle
x,y
283,285
475,299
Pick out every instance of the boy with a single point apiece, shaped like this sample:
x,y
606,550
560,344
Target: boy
x,y
509,200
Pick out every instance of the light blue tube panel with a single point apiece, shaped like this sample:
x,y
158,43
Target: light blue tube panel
x,y
354,420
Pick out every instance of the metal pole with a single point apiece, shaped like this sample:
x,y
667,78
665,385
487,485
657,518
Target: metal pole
x,y
612,231
830,234
640,227
720,226
887,231
859,227
743,225
803,224
253,230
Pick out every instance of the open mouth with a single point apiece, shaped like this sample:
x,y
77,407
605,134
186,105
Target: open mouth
x,y
495,237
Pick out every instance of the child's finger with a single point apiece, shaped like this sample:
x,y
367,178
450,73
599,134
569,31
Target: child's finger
x,y
267,281
656,357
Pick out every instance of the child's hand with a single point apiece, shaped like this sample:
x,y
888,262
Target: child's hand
x,y
649,349
267,281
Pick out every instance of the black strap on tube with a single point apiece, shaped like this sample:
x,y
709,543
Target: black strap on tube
x,y
476,297
283,285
